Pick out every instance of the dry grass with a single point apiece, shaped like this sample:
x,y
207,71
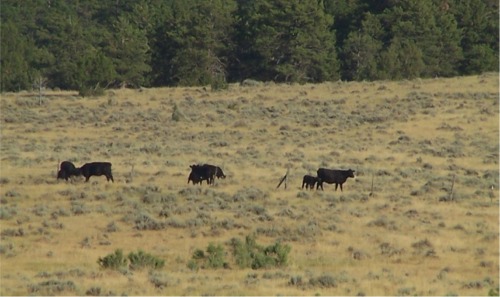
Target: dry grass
x,y
411,137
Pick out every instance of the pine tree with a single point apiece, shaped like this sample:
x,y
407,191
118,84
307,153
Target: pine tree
x,y
420,29
361,51
129,52
290,41
478,22
13,65
193,43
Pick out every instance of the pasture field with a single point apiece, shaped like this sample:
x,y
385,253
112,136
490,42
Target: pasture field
x,y
420,218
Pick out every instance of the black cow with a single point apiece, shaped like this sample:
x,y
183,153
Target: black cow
x,y
309,181
195,178
97,169
67,170
337,177
206,172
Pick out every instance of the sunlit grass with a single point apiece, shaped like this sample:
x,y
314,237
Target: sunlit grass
x,y
393,238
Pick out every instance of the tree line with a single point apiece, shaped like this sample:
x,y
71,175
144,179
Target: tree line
x,y
90,45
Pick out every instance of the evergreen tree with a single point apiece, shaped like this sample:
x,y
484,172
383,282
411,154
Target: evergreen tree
x,y
478,22
91,44
361,51
129,51
348,16
193,43
402,60
13,65
289,40
418,28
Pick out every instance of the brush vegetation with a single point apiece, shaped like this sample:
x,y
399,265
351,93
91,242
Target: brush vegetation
x,y
420,218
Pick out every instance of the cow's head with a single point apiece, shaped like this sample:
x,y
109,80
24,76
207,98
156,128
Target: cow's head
x,y
77,171
219,173
350,173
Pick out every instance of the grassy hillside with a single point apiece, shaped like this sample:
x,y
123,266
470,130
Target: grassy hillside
x,y
406,233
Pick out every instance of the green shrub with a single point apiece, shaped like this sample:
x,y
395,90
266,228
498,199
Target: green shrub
x,y
251,255
134,261
113,261
279,253
493,292
214,257
141,259
242,253
193,265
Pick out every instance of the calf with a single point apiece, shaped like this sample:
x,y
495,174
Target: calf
x,y
309,181
66,170
97,169
337,177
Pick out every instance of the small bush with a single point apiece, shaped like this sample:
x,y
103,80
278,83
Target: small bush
x,y
494,292
324,281
141,260
249,194
424,247
249,254
219,83
134,261
177,114
144,221
7,250
52,287
213,258
85,91
161,280
295,281
7,212
93,291
113,261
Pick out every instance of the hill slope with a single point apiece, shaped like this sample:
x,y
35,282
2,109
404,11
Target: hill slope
x,y
421,217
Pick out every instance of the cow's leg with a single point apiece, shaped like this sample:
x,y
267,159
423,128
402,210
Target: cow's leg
x,y
87,178
341,188
336,186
